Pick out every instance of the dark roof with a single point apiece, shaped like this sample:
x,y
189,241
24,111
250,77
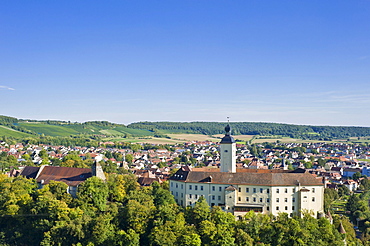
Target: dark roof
x,y
227,139
230,188
148,181
30,172
257,177
70,175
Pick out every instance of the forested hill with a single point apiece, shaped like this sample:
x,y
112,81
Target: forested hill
x,y
13,127
18,128
256,128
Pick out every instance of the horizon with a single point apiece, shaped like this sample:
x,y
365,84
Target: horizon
x,y
81,122
299,63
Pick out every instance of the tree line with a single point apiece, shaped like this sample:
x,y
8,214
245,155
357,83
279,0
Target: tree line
x,y
120,212
256,128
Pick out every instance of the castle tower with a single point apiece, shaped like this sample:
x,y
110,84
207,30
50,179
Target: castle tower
x,y
228,152
97,171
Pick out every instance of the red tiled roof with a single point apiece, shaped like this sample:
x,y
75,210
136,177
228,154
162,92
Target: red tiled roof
x,y
70,175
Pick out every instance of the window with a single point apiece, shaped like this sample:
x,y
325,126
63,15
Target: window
x,y
239,198
219,198
196,196
293,190
267,199
247,199
286,190
313,199
182,186
254,190
213,197
254,199
286,207
277,191
182,195
177,193
268,191
261,200
225,150
219,188
190,196
190,203
261,190
213,188
277,199
313,190
196,187
293,208
171,192
190,187
201,187
240,189
277,207
247,190
268,208
293,199
285,199
177,186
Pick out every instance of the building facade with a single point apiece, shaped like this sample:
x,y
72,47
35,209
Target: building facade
x,y
241,190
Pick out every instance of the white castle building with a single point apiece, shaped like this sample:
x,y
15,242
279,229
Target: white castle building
x,y
241,190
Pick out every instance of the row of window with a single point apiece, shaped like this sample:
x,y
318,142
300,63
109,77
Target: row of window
x,y
196,187
286,208
247,189
268,199
254,190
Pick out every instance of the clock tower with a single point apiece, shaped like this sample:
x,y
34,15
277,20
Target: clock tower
x,y
228,152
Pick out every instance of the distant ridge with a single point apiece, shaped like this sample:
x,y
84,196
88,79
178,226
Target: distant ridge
x,y
20,128
257,128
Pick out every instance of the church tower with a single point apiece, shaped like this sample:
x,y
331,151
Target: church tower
x,y
228,152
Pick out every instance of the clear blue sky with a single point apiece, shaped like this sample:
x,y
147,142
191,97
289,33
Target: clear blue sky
x,y
299,62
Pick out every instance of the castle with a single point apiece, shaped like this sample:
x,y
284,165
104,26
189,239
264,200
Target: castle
x,y
238,191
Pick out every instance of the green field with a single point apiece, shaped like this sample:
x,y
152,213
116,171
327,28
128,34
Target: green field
x,y
49,130
8,132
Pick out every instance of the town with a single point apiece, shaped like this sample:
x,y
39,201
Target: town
x,y
228,174
336,163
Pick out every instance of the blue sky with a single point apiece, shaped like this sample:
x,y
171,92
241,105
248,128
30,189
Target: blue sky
x,y
299,62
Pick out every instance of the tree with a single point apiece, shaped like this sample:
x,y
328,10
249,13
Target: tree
x,y
201,211
93,191
356,176
129,158
353,203
117,188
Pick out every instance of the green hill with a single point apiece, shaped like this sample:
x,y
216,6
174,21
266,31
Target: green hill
x,y
257,128
17,128
9,132
49,130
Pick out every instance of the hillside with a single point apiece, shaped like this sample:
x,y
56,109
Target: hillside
x,y
256,128
19,128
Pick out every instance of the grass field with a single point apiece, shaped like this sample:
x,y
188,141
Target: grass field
x,y
339,206
193,137
49,130
8,132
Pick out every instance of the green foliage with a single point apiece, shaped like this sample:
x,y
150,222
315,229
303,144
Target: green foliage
x,y
256,128
93,193
119,212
